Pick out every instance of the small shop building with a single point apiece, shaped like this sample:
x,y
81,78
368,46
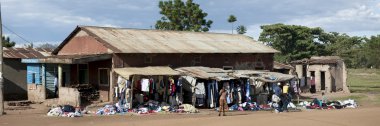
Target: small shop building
x,y
322,74
15,85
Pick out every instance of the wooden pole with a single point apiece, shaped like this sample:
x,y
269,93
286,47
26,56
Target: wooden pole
x,y
1,67
131,95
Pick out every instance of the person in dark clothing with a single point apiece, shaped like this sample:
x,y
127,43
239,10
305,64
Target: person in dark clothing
x,y
285,102
222,101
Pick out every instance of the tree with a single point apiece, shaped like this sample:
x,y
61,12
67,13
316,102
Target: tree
x,y
47,46
231,19
371,51
293,41
241,29
182,16
344,46
7,42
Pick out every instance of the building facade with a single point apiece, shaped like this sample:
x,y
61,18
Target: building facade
x,y
322,74
92,53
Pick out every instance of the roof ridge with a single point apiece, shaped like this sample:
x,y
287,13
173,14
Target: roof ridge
x,y
124,28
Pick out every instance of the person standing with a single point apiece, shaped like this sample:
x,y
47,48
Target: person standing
x,y
285,99
222,101
56,85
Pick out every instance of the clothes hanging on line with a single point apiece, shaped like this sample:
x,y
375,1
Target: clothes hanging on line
x,y
145,85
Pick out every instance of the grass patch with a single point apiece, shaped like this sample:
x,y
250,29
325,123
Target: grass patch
x,y
364,80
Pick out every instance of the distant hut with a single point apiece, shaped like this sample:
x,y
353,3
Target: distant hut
x,y
322,74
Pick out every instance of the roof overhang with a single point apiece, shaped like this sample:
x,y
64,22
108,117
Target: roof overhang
x,y
74,59
126,72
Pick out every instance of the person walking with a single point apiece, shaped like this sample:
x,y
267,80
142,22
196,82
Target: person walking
x,y
222,101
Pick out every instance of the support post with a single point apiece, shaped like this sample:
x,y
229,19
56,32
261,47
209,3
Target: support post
x,y
60,77
1,68
131,95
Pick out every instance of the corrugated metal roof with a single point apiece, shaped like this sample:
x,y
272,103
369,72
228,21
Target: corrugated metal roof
x,y
264,76
319,60
122,40
153,70
220,74
26,53
277,65
206,73
68,59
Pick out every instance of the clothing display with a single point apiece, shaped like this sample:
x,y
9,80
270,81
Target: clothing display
x,y
145,85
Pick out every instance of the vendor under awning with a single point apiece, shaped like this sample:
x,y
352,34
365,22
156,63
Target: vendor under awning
x,y
140,84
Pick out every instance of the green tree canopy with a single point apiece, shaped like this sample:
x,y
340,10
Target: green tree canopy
x,y
293,41
241,29
345,46
7,42
182,16
371,51
231,19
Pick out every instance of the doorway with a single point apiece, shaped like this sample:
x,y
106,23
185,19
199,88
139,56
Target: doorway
x,y
323,80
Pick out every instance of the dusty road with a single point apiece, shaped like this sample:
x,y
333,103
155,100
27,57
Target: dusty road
x,y
345,117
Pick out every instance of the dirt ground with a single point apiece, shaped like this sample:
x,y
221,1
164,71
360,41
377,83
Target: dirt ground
x,y
366,115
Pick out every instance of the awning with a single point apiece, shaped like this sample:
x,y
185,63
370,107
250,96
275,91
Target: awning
x,y
264,76
206,73
152,70
69,59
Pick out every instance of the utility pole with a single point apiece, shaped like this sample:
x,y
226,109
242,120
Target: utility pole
x,y
1,67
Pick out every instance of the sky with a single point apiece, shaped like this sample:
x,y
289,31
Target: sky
x,y
51,21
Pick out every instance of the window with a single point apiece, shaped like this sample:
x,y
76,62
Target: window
x,y
103,76
148,59
83,73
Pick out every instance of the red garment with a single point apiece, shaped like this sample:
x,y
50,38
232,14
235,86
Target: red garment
x,y
172,87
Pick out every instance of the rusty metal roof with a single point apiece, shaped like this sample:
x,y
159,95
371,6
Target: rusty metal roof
x,y
152,70
319,60
26,53
277,65
123,40
206,73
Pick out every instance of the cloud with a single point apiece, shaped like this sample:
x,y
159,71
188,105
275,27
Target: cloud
x,y
53,20
252,31
358,19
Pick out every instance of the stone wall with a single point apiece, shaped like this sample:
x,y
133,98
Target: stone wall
x,y
69,96
36,93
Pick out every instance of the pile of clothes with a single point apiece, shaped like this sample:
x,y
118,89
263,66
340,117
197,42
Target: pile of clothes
x,y
65,111
187,108
146,108
107,110
317,104
246,106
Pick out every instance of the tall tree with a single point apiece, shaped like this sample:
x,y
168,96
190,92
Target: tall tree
x,y
182,16
371,50
241,29
293,41
7,42
231,19
345,46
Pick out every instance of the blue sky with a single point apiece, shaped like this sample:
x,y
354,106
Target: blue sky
x,y
50,21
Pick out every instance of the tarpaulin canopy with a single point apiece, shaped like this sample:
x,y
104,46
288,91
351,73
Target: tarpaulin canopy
x,y
206,73
264,76
156,70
